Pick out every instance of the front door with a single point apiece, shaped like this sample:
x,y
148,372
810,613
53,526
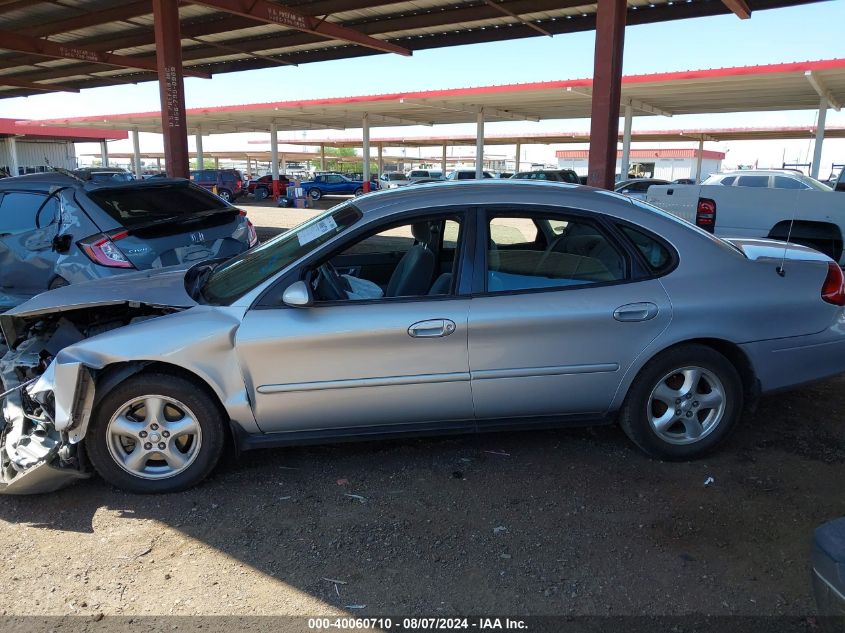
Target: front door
x,y
560,320
366,359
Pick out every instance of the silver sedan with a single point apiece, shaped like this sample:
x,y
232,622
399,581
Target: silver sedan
x,y
455,307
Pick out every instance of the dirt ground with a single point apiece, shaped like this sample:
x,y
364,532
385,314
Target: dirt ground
x,y
572,522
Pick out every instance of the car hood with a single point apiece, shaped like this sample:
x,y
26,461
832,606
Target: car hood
x,y
157,287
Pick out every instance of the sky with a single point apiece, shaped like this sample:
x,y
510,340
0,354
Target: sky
x,y
800,33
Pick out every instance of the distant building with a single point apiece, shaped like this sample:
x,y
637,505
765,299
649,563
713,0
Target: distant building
x,y
27,149
667,164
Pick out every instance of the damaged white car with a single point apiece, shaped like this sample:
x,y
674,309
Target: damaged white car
x,y
442,308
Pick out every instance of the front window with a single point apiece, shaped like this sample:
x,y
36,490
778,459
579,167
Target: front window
x,y
248,270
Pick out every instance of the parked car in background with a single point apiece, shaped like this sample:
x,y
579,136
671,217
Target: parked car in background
x,y
56,229
637,187
553,175
839,183
358,323
229,182
104,174
773,204
505,174
392,179
333,185
429,174
466,174
262,187
766,179
684,181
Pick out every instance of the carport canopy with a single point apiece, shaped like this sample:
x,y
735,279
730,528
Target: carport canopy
x,y
790,86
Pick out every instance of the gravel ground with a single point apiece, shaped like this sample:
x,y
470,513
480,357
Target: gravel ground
x,y
573,522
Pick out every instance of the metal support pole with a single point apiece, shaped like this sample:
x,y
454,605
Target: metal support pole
x,y
284,165
479,144
443,161
517,161
158,164
625,167
817,148
274,159
380,159
365,124
200,153
14,168
216,162
698,160
168,44
136,154
104,153
322,158
607,92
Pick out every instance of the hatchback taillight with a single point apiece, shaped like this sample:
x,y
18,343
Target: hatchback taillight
x,y
101,249
832,289
705,214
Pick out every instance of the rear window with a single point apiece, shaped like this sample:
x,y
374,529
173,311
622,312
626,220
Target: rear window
x,y
134,207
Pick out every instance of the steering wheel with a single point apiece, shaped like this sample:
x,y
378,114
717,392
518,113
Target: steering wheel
x,y
331,284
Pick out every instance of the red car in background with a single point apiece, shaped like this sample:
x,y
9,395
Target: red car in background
x,y
262,187
229,182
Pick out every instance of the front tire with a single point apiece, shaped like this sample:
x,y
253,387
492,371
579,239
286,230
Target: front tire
x,y
359,192
683,403
315,194
155,433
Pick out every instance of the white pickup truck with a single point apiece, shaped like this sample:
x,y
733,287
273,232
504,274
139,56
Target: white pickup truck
x,y
761,203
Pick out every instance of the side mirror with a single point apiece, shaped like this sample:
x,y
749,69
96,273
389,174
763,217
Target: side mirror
x,y
61,243
298,295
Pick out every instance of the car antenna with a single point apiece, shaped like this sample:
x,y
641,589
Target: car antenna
x,y
780,269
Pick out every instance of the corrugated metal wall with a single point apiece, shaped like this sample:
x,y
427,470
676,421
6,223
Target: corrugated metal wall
x,y
39,155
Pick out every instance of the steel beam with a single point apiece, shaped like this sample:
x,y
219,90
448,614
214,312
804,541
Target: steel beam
x,y
273,13
518,157
365,149
505,11
171,87
54,50
479,144
739,7
607,92
200,153
817,146
822,90
443,161
698,160
469,108
13,155
626,142
17,83
104,153
136,154
274,159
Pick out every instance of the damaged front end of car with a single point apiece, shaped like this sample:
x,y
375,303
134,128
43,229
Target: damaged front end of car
x,y
49,394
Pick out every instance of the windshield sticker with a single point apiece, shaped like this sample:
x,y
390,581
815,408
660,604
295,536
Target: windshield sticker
x,y
311,233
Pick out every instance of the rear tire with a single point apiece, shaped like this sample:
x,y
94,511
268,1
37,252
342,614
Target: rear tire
x,y
359,192
225,194
261,193
156,433
315,194
683,403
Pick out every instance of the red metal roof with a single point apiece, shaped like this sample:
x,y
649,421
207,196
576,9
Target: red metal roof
x,y
11,127
574,154
739,89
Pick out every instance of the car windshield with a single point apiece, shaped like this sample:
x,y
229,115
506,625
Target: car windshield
x,y
396,176
137,206
242,273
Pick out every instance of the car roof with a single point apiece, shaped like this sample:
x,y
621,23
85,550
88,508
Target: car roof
x,y
41,180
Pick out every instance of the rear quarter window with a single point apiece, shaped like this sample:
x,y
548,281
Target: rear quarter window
x,y
658,257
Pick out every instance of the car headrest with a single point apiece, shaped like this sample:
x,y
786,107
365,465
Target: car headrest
x,y
421,232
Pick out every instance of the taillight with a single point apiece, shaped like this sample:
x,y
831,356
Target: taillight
x,y
833,290
253,236
101,249
705,214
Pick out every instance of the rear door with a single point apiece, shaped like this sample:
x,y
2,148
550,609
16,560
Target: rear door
x,y
28,224
552,331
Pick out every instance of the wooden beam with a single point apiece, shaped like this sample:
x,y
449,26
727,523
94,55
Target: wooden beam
x,y
17,83
272,13
45,48
739,7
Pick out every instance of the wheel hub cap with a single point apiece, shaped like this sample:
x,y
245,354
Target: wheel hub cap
x,y
686,405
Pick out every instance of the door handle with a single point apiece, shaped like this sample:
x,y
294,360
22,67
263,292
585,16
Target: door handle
x,y
432,329
642,311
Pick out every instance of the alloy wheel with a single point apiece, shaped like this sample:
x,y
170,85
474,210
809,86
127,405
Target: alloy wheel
x,y
686,405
